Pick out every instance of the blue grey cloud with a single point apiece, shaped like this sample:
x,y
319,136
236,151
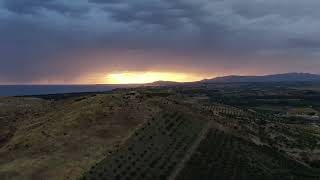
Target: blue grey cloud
x,y
36,34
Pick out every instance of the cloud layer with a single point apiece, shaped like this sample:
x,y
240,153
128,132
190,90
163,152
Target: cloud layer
x,y
64,40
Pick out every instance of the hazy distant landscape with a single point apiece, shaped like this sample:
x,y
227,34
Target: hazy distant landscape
x,y
25,90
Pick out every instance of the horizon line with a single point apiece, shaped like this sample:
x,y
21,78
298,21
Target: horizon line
x,y
137,84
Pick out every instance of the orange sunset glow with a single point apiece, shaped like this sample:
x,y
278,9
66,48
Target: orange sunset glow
x,y
148,77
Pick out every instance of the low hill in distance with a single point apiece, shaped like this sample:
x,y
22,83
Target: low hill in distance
x,y
274,78
162,83
287,77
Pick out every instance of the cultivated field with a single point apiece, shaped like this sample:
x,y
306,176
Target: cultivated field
x,y
151,133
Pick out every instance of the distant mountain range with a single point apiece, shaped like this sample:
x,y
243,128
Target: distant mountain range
x,y
287,77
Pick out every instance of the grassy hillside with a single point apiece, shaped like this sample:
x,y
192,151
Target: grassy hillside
x,y
60,140
149,134
223,156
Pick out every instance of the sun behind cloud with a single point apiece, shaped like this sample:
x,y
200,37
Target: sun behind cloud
x,y
148,77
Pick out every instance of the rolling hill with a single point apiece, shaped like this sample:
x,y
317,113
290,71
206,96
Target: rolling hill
x,y
287,77
147,133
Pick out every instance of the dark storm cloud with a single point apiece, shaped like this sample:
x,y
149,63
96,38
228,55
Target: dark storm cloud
x,y
36,34
34,6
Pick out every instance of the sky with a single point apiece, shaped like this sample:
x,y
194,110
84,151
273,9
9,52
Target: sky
x,y
89,41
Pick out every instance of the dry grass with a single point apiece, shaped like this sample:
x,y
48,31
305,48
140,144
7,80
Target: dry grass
x,y
61,140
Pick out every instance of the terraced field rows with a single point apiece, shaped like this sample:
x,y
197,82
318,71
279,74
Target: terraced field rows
x,y
225,157
153,152
236,113
160,146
